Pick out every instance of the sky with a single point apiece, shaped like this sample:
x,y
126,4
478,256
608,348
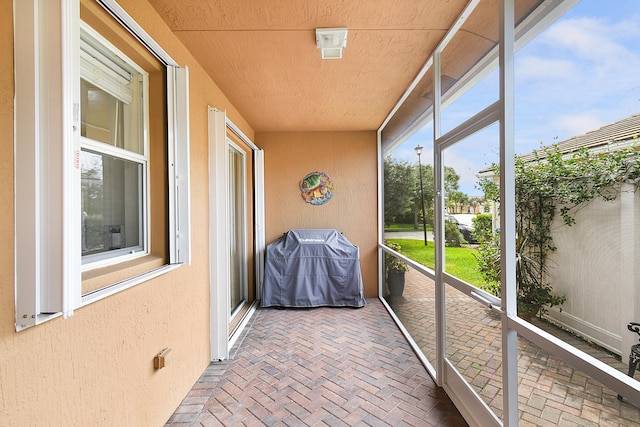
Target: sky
x,y
581,73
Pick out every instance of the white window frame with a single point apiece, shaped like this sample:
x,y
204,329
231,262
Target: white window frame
x,y
112,86
47,238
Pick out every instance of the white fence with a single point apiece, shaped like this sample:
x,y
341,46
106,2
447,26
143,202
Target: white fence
x,y
597,266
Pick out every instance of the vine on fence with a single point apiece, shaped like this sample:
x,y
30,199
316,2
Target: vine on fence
x,y
550,184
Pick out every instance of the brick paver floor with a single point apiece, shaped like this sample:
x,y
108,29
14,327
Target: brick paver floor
x,y
339,367
550,392
319,367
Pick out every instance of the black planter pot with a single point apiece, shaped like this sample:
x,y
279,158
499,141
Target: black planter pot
x,y
396,282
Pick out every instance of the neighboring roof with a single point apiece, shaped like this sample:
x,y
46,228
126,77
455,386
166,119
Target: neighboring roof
x,y
615,135
618,132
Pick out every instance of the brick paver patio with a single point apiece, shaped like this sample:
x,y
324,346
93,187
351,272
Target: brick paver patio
x,y
343,367
319,367
550,392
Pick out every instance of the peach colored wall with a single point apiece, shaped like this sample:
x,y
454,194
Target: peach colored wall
x,y
96,367
349,158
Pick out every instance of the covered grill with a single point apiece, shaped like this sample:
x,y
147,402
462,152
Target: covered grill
x,y
312,268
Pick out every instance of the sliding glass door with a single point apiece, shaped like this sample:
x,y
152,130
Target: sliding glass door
x,y
237,231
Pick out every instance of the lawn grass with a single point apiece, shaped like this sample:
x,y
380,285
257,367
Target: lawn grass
x,y
459,262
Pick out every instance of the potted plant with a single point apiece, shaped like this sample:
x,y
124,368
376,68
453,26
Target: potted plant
x,y
395,269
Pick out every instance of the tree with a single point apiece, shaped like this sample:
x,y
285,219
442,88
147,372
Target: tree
x,y
457,199
402,195
451,180
475,202
399,182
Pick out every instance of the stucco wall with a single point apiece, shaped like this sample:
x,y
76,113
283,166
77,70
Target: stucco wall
x,y
96,367
349,158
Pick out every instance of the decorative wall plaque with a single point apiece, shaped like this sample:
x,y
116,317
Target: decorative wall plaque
x,y
316,188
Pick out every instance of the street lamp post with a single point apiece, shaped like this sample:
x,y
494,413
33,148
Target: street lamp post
x,y
424,214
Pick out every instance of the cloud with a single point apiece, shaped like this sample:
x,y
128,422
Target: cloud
x,y
586,38
578,75
583,50
578,124
538,68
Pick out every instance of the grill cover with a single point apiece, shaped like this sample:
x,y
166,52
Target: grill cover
x,y
312,268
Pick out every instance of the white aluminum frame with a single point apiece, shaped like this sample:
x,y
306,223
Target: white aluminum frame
x,y
508,214
468,402
179,165
259,229
218,236
220,340
46,162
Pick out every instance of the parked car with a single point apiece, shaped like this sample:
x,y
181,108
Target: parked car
x,y
465,225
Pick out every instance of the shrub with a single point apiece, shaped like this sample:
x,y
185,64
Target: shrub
x,y
488,258
483,227
452,236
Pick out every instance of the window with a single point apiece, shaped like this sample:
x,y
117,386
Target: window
x,y
102,163
114,153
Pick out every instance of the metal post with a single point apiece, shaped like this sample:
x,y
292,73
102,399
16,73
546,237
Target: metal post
x,y
424,213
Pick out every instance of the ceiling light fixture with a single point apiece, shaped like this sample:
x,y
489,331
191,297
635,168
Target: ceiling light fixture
x,y
331,42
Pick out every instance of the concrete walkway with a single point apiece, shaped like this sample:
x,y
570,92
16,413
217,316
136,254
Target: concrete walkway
x,y
413,235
